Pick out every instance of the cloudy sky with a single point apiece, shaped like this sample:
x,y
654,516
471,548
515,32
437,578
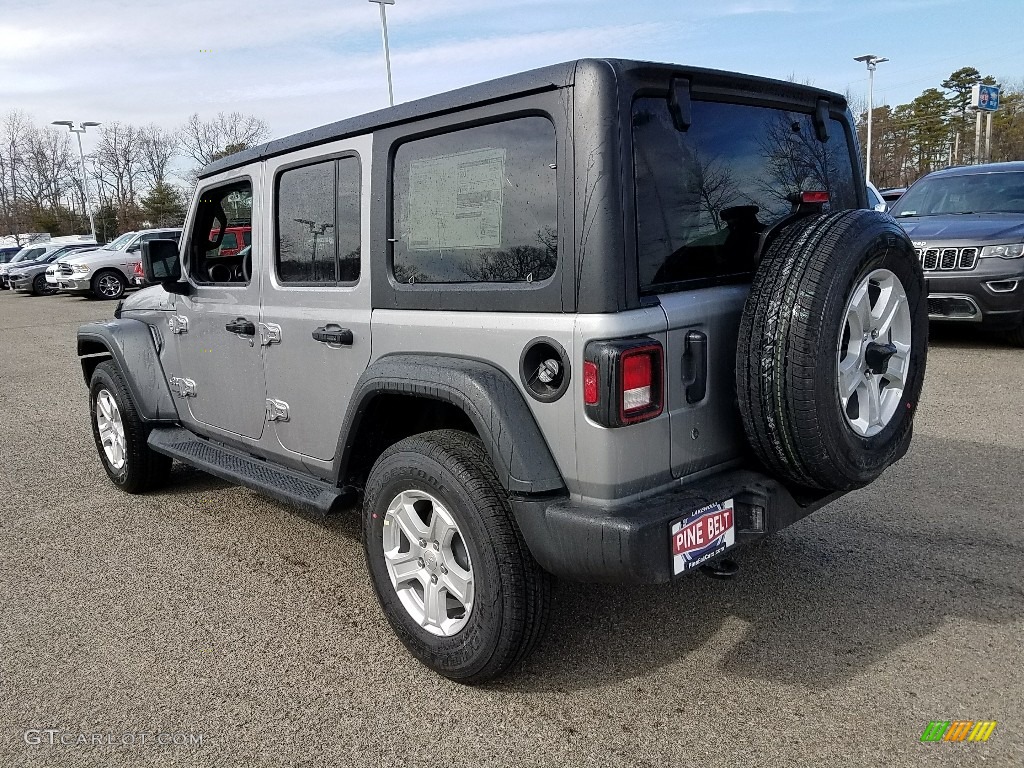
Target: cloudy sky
x,y
301,63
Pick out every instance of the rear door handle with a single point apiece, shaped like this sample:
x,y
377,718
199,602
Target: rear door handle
x,y
695,366
241,326
333,334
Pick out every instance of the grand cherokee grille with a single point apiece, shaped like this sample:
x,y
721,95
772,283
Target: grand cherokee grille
x,y
947,259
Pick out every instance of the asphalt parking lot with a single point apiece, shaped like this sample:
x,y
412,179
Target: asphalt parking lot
x,y
206,609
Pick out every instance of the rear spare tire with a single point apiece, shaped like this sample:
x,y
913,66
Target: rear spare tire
x,y
832,349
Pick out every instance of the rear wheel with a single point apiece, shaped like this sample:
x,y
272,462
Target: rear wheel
x,y
109,285
832,350
449,565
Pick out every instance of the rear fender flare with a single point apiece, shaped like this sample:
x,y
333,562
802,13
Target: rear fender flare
x,y
487,396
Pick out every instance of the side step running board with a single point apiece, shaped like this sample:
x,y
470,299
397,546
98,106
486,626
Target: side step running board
x,y
307,493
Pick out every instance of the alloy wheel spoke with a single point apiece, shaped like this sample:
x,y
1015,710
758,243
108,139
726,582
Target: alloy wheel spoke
x,y
409,521
873,402
404,566
459,585
886,310
441,529
434,606
850,377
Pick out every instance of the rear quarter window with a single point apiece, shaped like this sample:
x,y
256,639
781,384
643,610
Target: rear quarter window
x,y
477,205
705,195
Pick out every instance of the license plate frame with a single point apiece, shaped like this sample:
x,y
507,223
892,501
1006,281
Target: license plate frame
x,y
702,535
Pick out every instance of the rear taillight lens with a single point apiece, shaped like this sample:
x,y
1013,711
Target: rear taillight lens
x,y
623,381
641,373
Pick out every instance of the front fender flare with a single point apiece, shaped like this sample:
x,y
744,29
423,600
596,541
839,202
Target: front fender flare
x,y
486,395
130,344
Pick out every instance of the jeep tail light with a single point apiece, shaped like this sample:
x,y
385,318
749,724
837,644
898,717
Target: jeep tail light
x,y
590,388
623,381
640,389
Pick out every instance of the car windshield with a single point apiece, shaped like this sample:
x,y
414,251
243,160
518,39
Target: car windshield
x,y
970,193
120,243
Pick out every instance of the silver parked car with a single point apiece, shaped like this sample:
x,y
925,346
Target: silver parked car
x,y
106,272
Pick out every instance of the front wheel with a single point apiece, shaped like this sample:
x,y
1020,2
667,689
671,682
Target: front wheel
x,y
40,287
120,434
109,285
446,558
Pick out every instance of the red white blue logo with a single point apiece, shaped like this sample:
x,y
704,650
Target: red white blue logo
x,y
704,534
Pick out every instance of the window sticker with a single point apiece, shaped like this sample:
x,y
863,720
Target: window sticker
x,y
455,200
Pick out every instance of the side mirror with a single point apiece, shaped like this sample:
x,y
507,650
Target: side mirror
x,y
162,264
134,247
882,207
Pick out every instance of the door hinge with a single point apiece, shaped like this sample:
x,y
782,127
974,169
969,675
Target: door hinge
x,y
183,387
270,333
178,323
277,410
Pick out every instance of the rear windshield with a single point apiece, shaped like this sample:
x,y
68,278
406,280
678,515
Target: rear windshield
x,y
704,196
970,193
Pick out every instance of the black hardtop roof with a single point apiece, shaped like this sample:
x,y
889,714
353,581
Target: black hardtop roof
x,y
532,81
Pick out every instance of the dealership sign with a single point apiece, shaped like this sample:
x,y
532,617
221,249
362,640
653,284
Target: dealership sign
x,y
985,97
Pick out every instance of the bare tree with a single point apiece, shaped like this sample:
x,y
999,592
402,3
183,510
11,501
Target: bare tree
x,y
13,148
119,159
715,186
157,147
206,141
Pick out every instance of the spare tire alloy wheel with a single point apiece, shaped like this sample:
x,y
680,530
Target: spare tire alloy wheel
x,y
832,349
874,352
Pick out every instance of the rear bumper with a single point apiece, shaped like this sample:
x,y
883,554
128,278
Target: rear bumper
x,y
632,544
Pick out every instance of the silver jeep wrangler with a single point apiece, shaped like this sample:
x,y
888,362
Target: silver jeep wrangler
x,y
604,320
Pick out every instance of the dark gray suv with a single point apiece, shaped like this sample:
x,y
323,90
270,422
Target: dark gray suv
x,y
605,320
967,225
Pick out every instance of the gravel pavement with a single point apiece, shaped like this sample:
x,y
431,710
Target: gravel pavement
x,y
206,611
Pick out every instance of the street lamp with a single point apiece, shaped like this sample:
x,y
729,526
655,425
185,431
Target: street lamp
x,y
81,156
316,230
387,53
872,61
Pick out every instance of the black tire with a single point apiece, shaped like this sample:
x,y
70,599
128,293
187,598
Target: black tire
x,y
512,594
144,469
786,366
121,284
40,286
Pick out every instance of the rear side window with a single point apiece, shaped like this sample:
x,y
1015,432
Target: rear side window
x,y
318,223
704,196
477,205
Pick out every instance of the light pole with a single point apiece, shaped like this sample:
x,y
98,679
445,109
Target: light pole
x,y
315,230
81,156
872,61
387,52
